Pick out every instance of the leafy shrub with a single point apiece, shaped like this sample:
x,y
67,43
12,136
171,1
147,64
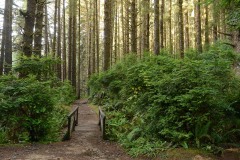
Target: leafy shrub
x,y
31,106
181,102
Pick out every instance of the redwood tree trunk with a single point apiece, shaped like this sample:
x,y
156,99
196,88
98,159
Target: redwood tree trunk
x,y
64,47
146,26
181,34
46,37
161,25
74,43
28,28
133,27
156,28
59,40
107,34
39,27
6,46
198,27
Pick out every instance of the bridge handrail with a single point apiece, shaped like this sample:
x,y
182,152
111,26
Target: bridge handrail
x,y
72,123
102,123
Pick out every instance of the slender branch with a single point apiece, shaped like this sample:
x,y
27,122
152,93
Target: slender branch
x,y
230,44
226,34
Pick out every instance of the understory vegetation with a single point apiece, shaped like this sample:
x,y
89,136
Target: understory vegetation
x,y
160,102
33,107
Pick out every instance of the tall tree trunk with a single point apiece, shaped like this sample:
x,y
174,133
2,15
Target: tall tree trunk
x,y
116,33
6,48
207,42
133,27
127,4
28,28
2,51
181,33
112,29
187,39
70,40
146,26
161,24
123,27
97,33
74,44
93,50
198,27
140,33
215,21
170,28
46,37
156,28
90,46
64,48
55,28
107,34
39,27
59,40
8,40
79,52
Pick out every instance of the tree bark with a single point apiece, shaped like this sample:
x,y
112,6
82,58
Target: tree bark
x,y
2,51
187,39
236,40
74,44
46,37
198,27
207,42
6,46
97,33
70,41
93,50
64,47
107,34
146,26
79,52
170,28
161,25
133,27
39,27
215,17
55,29
126,26
8,40
181,33
28,28
156,28
59,40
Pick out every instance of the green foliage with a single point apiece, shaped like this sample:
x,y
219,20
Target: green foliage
x,y
3,136
31,107
171,101
233,12
42,68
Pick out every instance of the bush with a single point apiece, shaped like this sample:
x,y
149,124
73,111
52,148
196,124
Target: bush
x,y
183,102
31,107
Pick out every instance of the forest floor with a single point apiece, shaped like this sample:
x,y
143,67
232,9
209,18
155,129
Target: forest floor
x,y
87,144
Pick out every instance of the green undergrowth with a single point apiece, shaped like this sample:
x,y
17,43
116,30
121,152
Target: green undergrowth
x,y
159,102
33,105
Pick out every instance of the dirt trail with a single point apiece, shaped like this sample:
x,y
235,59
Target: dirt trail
x,y
85,144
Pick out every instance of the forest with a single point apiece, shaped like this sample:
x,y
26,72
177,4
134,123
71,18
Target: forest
x,y
166,72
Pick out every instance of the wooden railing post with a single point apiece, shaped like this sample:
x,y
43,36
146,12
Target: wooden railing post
x,y
69,129
102,123
77,118
72,123
103,128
